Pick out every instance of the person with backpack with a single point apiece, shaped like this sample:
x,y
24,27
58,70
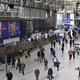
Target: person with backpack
x,y
9,75
56,62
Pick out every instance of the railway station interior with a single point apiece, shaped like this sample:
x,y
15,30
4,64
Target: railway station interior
x,y
39,39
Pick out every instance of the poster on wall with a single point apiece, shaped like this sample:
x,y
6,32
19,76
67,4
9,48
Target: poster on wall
x,y
14,28
9,29
3,29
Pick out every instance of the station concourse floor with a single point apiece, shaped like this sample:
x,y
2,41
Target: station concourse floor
x,y
67,69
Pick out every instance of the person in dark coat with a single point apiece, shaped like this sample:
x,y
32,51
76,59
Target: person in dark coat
x,y
19,64
13,62
62,49
22,67
28,52
54,43
50,73
9,75
38,54
42,55
53,53
51,49
73,54
70,43
37,72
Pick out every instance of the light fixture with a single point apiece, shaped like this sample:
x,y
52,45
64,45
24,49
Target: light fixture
x,y
37,1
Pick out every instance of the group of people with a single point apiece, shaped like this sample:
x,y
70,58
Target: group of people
x,y
20,66
49,76
55,60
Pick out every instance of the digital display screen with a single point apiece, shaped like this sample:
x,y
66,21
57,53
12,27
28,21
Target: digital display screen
x,y
9,29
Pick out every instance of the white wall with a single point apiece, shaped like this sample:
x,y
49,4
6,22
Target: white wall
x,y
11,41
38,34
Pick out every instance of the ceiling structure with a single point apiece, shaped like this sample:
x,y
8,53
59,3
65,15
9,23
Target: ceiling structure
x,y
59,4
52,4
55,5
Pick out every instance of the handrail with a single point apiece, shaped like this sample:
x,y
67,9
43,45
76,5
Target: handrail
x,y
10,49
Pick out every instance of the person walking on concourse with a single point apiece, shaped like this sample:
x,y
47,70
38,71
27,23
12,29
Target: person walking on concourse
x,y
50,73
37,72
9,75
22,67
45,64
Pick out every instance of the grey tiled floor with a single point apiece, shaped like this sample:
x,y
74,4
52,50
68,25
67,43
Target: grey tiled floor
x,y
67,69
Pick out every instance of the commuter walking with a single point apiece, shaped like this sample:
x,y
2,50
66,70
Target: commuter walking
x,y
73,54
53,53
9,75
66,41
78,52
51,43
78,68
79,73
19,65
54,43
70,54
22,67
73,42
28,52
62,43
42,55
37,72
45,64
38,54
50,74
13,62
70,43
59,42
51,49
62,49
56,63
